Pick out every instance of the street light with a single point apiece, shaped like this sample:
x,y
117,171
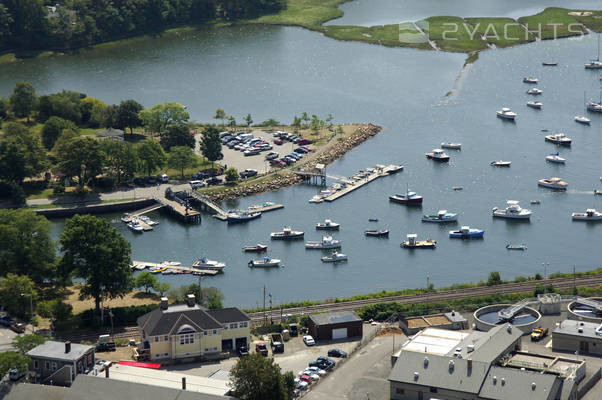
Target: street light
x,y
30,308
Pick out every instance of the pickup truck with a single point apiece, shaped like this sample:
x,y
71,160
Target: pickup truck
x,y
539,333
262,349
276,343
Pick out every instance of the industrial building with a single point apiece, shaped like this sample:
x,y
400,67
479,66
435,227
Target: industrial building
x,y
578,336
335,325
450,320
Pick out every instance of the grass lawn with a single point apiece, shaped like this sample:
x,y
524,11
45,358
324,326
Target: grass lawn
x,y
503,32
387,35
553,23
453,34
593,22
306,13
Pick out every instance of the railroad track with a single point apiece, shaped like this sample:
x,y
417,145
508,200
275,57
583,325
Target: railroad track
x,y
257,317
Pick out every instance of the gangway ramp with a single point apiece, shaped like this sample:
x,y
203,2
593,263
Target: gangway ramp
x,y
510,312
207,203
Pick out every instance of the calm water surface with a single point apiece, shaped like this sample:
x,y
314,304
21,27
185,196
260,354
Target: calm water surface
x,y
279,71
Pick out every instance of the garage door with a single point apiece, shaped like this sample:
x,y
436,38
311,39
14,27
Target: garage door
x,y
339,333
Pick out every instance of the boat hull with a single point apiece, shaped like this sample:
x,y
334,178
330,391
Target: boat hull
x,y
421,244
254,249
471,235
502,214
438,159
402,200
438,220
384,233
321,246
239,219
327,227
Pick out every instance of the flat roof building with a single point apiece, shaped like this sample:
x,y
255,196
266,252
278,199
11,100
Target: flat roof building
x,y
58,363
335,325
581,336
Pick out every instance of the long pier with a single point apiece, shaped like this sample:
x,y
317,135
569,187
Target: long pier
x,y
262,209
205,201
378,173
179,268
185,213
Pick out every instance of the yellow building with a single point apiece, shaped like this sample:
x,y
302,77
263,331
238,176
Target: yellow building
x,y
189,330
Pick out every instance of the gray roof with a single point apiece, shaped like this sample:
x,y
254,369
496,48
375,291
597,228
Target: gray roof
x,y
336,317
110,132
489,345
570,327
164,322
437,372
455,316
227,315
56,351
518,385
29,391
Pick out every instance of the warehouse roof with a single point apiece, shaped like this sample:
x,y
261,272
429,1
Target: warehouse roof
x,y
489,345
336,317
507,383
573,328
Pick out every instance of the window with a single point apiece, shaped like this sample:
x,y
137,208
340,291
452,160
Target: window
x,y
165,354
47,365
400,391
433,390
36,365
244,324
53,366
187,338
215,332
234,326
156,339
157,355
166,338
205,333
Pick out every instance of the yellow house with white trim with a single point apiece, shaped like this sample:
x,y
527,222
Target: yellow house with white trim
x,y
189,330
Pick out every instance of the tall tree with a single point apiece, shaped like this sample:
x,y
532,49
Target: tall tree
x,y
146,280
95,252
28,22
4,106
15,292
13,165
159,117
220,114
258,378
181,157
128,115
25,245
24,343
232,122
13,359
53,128
81,158
29,144
211,146
177,135
248,120
23,99
151,156
121,158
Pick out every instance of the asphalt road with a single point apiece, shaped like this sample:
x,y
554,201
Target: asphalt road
x,y
6,338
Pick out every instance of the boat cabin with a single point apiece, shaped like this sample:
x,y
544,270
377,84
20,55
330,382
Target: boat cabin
x,y
412,239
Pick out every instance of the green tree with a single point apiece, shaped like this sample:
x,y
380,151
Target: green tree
x,y
231,122
81,158
210,297
15,292
13,359
305,118
97,109
95,252
13,164
162,288
25,245
121,158
328,120
109,116
53,128
270,122
4,105
151,156
177,135
231,175
297,123
494,278
66,104
220,114
146,280
181,157
211,146
158,118
258,378
128,115
24,343
29,143
23,100
248,120
54,309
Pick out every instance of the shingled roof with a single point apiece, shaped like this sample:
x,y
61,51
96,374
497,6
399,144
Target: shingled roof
x,y
165,322
227,315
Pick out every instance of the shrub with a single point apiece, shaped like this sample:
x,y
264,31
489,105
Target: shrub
x,y
55,309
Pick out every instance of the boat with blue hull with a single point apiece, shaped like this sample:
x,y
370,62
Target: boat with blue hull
x,y
466,232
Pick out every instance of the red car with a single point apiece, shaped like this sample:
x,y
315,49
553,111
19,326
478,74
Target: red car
x,y
277,163
305,378
304,141
278,141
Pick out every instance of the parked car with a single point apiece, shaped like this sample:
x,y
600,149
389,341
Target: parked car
x,y
272,155
247,173
327,360
304,141
278,163
16,374
306,378
301,385
308,340
251,152
197,184
163,178
278,141
316,370
301,150
290,159
337,353
243,351
261,348
213,181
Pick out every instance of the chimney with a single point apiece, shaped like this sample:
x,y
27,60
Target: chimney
x,y
183,383
164,304
67,346
190,300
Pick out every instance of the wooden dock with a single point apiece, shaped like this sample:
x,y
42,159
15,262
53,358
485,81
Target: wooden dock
x,y
379,173
272,207
207,203
185,213
180,268
146,210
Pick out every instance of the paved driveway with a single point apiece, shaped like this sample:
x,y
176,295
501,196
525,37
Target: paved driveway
x,y
6,338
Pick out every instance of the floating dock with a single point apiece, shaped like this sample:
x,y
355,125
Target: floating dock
x,y
262,209
379,172
180,268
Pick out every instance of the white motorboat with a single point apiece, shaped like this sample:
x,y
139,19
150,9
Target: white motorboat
x,y
594,107
241,216
506,113
595,64
203,263
553,183
535,104
529,79
317,199
171,263
559,139
327,242
451,145
512,210
286,234
127,218
555,158
328,225
589,215
335,257
582,120
442,216
535,91
135,226
146,219
438,155
264,262
466,232
501,163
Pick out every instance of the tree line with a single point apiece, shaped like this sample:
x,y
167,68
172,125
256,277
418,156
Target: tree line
x,y
42,24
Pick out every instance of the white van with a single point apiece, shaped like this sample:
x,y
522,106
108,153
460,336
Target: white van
x,y
163,178
197,184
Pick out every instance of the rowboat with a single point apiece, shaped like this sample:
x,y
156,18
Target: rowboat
x,y
377,232
258,248
516,247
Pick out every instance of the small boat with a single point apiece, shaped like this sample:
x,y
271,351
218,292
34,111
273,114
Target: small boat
x,y
241,216
412,243
450,145
139,267
372,219
442,216
501,163
147,220
535,202
264,262
535,91
552,183
377,232
589,215
549,63
535,104
438,155
555,158
327,242
598,192
594,107
127,218
317,199
169,271
203,263
334,257
408,198
466,232
258,248
156,270
529,79
457,188
582,120
328,225
506,113
559,139
393,169
512,211
516,247
286,234
594,64
171,263
135,226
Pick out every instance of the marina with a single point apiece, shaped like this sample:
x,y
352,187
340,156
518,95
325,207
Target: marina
x,y
378,171
175,267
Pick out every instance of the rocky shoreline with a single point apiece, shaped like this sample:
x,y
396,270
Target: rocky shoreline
x,y
331,153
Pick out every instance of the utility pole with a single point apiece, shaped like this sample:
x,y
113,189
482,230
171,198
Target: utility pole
x,y
271,319
427,288
200,290
265,318
574,287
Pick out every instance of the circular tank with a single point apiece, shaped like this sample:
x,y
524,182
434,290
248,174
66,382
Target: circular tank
x,y
487,317
582,312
